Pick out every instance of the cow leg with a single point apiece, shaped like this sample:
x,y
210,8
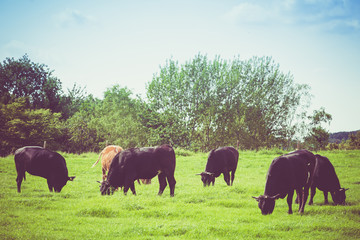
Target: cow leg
x,y
289,201
19,179
20,169
326,201
171,180
50,185
227,178
126,188
132,187
313,192
232,177
162,183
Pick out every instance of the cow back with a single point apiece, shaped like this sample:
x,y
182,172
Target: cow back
x,y
41,162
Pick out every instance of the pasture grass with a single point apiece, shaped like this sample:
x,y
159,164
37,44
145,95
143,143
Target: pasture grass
x,y
219,212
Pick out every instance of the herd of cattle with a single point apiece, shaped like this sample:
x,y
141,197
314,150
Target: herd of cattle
x,y
297,171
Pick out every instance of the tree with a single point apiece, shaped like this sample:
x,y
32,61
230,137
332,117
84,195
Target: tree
x,y
114,120
80,136
222,102
318,136
355,140
73,100
32,81
21,126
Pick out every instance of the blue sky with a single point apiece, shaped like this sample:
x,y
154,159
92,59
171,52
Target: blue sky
x,y
98,44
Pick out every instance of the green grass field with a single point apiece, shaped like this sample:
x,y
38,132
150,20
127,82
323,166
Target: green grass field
x,y
219,212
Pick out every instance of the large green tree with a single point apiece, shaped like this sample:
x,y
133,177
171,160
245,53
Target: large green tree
x,y
217,102
33,81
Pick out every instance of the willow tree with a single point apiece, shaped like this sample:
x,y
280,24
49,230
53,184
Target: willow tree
x,y
218,102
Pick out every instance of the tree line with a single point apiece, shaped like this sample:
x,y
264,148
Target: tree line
x,y
198,105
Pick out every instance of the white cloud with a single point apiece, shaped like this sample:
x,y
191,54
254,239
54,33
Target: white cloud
x,y
71,17
248,12
14,48
15,44
317,15
263,12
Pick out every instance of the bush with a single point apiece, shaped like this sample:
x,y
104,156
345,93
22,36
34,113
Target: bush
x,y
183,152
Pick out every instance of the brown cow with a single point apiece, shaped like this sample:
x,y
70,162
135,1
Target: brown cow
x,y
107,155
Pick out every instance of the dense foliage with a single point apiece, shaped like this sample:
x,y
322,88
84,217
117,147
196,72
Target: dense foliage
x,y
341,136
199,105
207,103
350,144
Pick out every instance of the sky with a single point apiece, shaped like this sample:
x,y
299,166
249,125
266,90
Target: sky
x,y
98,44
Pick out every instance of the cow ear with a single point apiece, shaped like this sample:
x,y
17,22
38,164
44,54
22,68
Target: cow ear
x,y
256,198
71,178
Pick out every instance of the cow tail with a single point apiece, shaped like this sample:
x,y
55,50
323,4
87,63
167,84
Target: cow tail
x,y
97,160
20,164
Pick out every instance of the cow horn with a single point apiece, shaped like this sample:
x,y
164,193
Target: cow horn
x,y
276,196
71,178
256,198
99,182
209,173
199,174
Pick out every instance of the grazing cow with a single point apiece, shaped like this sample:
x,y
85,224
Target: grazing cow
x,y
292,171
326,180
141,163
222,160
44,163
107,155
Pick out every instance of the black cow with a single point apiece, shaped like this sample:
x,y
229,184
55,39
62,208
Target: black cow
x,y
326,180
44,163
292,171
141,163
222,160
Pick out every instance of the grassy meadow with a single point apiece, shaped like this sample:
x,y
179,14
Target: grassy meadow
x,y
219,212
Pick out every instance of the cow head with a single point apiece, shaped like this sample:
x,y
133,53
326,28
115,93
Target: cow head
x,y
207,178
58,185
104,187
339,196
266,203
